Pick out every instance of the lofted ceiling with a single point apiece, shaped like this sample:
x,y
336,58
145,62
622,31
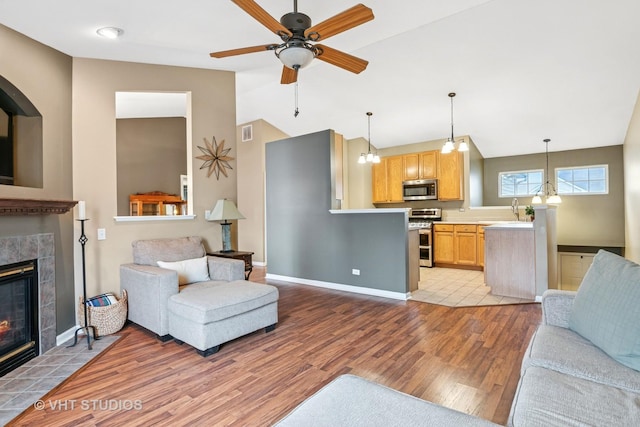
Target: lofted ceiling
x,y
523,70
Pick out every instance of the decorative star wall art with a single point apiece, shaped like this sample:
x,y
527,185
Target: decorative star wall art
x,y
215,157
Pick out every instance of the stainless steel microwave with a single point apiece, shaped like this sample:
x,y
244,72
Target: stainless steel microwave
x,y
420,189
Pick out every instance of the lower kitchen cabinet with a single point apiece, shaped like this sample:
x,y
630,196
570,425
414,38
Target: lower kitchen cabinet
x,y
465,244
443,244
481,245
455,245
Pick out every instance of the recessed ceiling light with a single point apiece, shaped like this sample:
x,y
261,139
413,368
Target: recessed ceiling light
x,y
110,32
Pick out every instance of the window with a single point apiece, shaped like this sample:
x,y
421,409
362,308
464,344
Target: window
x,y
519,183
583,180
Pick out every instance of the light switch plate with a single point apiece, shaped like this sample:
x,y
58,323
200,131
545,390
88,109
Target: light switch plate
x,y
102,234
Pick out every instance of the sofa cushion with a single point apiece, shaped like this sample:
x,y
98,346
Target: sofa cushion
x,y
353,401
189,270
606,309
548,398
149,252
565,351
220,301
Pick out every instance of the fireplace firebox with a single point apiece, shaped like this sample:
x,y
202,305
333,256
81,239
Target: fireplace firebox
x,y
18,314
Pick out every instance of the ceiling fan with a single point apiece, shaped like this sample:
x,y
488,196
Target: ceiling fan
x,y
299,37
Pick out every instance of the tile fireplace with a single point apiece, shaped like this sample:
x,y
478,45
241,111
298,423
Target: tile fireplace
x,y
27,295
18,314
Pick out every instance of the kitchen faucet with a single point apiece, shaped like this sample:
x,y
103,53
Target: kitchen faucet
x,y
514,208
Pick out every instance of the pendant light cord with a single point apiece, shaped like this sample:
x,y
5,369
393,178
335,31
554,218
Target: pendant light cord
x,y
452,95
369,128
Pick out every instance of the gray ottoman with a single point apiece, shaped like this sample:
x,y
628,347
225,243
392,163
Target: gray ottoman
x,y
210,314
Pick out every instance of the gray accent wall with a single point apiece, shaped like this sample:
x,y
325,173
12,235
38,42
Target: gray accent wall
x,y
305,240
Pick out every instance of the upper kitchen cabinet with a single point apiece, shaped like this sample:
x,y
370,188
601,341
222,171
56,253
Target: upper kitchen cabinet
x,y
450,167
422,165
387,177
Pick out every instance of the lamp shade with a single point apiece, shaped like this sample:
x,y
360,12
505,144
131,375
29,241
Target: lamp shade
x,y
224,210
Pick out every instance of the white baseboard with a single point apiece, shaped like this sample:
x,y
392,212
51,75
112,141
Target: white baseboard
x,y
538,298
340,287
259,263
66,335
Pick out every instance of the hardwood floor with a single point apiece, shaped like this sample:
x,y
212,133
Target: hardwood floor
x,y
463,358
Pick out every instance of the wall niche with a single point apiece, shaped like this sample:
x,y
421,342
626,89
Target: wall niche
x,y
20,139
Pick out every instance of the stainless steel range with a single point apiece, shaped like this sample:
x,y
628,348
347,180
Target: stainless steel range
x,y
421,219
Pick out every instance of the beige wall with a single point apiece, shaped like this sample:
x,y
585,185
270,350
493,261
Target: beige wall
x,y
44,76
94,156
251,187
595,220
632,186
359,176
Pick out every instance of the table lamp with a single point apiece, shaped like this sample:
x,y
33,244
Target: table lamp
x,y
225,210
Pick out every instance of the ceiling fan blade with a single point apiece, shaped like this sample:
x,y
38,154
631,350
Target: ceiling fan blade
x,y
288,75
357,15
261,15
341,59
241,51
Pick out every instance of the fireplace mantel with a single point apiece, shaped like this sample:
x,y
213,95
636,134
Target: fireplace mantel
x,y
34,206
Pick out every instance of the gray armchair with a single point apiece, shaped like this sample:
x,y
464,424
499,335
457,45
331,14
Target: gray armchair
x,y
149,286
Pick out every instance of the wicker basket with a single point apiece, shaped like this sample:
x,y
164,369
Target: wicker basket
x,y
108,319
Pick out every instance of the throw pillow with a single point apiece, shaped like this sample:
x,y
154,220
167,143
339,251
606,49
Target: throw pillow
x,y
606,309
189,270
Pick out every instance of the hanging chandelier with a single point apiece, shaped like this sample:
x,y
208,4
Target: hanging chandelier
x,y
369,157
450,144
547,189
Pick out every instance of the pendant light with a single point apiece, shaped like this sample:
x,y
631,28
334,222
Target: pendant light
x,y
547,189
369,157
450,144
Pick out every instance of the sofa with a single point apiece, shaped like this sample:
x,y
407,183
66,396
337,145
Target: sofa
x,y
581,367
177,291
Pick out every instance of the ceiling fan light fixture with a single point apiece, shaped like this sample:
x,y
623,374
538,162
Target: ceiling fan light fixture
x,y
295,57
110,32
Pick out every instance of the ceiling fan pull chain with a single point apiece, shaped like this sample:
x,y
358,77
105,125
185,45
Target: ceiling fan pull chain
x,y
295,114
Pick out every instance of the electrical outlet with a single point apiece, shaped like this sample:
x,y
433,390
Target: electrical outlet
x,y
355,272
207,213
102,234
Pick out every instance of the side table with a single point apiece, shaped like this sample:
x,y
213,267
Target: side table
x,y
244,256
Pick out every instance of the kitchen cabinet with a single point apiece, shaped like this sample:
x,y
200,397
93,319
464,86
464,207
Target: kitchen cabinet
x,y
450,168
458,245
387,177
573,267
481,245
443,244
423,165
465,244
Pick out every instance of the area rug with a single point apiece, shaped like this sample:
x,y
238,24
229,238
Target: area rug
x,y
26,385
458,288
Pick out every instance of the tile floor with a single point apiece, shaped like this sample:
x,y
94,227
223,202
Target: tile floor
x,y
23,386
457,288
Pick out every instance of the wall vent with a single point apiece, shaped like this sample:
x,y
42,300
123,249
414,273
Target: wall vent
x,y
247,133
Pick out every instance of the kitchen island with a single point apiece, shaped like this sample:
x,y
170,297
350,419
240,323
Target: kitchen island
x,y
510,259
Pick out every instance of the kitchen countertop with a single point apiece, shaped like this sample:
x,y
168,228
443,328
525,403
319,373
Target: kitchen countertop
x,y
487,222
512,225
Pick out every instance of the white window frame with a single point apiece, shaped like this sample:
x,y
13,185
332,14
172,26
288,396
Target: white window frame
x,y
527,171
583,193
